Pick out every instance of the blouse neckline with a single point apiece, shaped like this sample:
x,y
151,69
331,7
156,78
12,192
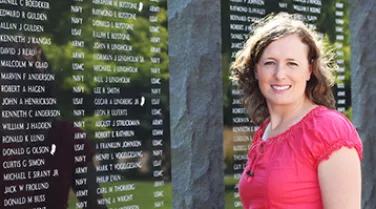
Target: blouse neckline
x,y
291,128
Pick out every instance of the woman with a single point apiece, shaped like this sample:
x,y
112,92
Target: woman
x,y
305,154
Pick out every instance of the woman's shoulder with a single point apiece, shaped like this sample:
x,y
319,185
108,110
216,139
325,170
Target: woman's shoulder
x,y
324,113
329,130
331,121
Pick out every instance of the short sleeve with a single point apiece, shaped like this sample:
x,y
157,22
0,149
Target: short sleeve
x,y
332,131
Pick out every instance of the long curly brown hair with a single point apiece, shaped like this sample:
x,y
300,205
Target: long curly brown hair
x,y
272,28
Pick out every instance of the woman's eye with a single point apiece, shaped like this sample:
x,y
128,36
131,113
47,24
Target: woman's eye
x,y
269,63
292,63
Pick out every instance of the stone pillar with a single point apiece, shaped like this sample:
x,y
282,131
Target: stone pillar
x,y
363,89
196,105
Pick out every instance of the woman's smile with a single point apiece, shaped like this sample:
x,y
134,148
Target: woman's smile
x,y
281,88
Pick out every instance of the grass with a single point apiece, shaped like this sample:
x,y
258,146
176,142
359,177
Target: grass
x,y
231,202
143,195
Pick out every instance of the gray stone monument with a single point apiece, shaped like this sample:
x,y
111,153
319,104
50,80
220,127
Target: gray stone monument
x,y
363,78
196,104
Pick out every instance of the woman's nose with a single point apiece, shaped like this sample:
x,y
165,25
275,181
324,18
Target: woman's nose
x,y
279,72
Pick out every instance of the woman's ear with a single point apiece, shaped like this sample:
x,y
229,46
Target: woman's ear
x,y
310,70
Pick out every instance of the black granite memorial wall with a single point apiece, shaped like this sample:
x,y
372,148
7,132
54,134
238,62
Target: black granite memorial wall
x,y
84,104
85,99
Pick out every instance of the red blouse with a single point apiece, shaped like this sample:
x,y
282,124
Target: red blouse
x,y
282,172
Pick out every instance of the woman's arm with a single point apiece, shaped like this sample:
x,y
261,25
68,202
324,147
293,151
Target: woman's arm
x,y
340,180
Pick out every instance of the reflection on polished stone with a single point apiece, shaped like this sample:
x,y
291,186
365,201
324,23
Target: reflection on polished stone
x,y
83,84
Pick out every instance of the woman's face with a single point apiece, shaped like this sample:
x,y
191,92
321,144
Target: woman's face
x,y
283,71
